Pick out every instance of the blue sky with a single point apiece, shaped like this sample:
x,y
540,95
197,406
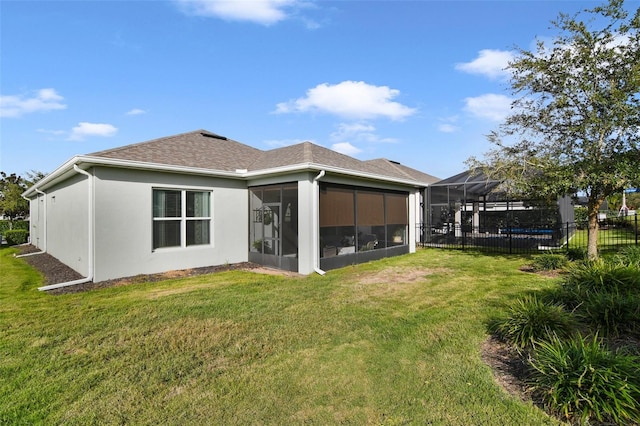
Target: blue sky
x,y
419,82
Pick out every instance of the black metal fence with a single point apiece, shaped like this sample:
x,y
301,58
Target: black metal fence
x,y
613,233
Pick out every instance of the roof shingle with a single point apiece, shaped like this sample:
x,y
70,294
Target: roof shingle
x,y
207,150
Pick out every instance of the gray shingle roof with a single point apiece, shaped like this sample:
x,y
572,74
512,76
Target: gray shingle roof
x,y
206,150
396,169
200,149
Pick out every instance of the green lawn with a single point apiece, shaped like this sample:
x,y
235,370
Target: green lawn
x,y
390,342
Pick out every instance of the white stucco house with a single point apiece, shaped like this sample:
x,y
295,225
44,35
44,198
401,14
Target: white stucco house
x,y
199,199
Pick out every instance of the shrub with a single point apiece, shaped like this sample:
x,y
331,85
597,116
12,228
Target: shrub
x,y
611,313
5,225
581,379
530,320
21,224
549,261
577,253
599,276
16,236
629,256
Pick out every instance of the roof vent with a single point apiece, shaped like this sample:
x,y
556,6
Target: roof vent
x,y
211,135
395,162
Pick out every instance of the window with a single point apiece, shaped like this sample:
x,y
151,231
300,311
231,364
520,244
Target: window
x,y
354,219
181,218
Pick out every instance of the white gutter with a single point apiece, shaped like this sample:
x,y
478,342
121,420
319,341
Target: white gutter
x,y
316,223
89,278
70,165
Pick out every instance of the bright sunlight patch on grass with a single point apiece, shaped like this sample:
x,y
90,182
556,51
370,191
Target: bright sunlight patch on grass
x,y
389,342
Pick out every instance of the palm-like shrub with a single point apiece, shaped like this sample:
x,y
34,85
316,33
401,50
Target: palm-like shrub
x,y
580,379
530,320
599,276
549,261
629,256
611,313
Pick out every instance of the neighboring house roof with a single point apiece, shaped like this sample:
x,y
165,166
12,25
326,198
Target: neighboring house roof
x,y
475,182
204,152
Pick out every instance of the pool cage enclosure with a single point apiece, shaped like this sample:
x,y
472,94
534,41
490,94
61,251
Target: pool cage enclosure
x,y
469,209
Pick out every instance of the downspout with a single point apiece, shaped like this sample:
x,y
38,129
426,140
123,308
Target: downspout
x,y
316,223
89,278
44,230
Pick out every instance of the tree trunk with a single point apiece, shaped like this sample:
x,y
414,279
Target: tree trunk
x,y
592,228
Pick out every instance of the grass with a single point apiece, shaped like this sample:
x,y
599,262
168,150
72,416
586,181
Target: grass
x,y
395,341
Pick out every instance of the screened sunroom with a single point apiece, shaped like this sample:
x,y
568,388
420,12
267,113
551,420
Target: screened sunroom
x,y
471,209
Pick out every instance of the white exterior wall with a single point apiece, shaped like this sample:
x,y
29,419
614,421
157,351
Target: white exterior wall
x,y
307,209
65,233
124,223
414,214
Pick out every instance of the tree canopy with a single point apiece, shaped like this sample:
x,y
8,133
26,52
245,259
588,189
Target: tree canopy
x,y
12,205
575,121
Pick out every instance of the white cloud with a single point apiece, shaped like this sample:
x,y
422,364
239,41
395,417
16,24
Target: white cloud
x,y
52,132
447,128
345,148
360,132
18,105
490,63
136,111
84,129
447,124
265,12
491,106
349,99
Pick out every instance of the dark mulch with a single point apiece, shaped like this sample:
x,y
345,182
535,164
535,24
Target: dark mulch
x,y
509,369
53,270
553,273
56,272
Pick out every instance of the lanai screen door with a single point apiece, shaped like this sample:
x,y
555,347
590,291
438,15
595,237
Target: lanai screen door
x,y
273,227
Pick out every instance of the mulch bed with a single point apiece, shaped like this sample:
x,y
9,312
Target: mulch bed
x,y
56,272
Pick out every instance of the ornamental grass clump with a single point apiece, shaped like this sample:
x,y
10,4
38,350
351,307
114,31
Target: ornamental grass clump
x,y
599,276
530,320
629,256
549,262
582,380
611,313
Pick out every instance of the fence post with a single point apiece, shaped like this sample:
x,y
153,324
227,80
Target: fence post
x,y
636,222
567,236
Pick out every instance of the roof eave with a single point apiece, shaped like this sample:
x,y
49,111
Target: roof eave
x,y
306,167
86,162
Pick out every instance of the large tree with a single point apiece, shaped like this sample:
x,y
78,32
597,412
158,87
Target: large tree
x,y
574,125
12,205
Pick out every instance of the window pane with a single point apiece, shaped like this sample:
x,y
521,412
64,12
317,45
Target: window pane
x,y
198,204
166,233
166,203
197,232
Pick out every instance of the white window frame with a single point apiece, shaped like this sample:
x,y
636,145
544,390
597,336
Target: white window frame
x,y
183,218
